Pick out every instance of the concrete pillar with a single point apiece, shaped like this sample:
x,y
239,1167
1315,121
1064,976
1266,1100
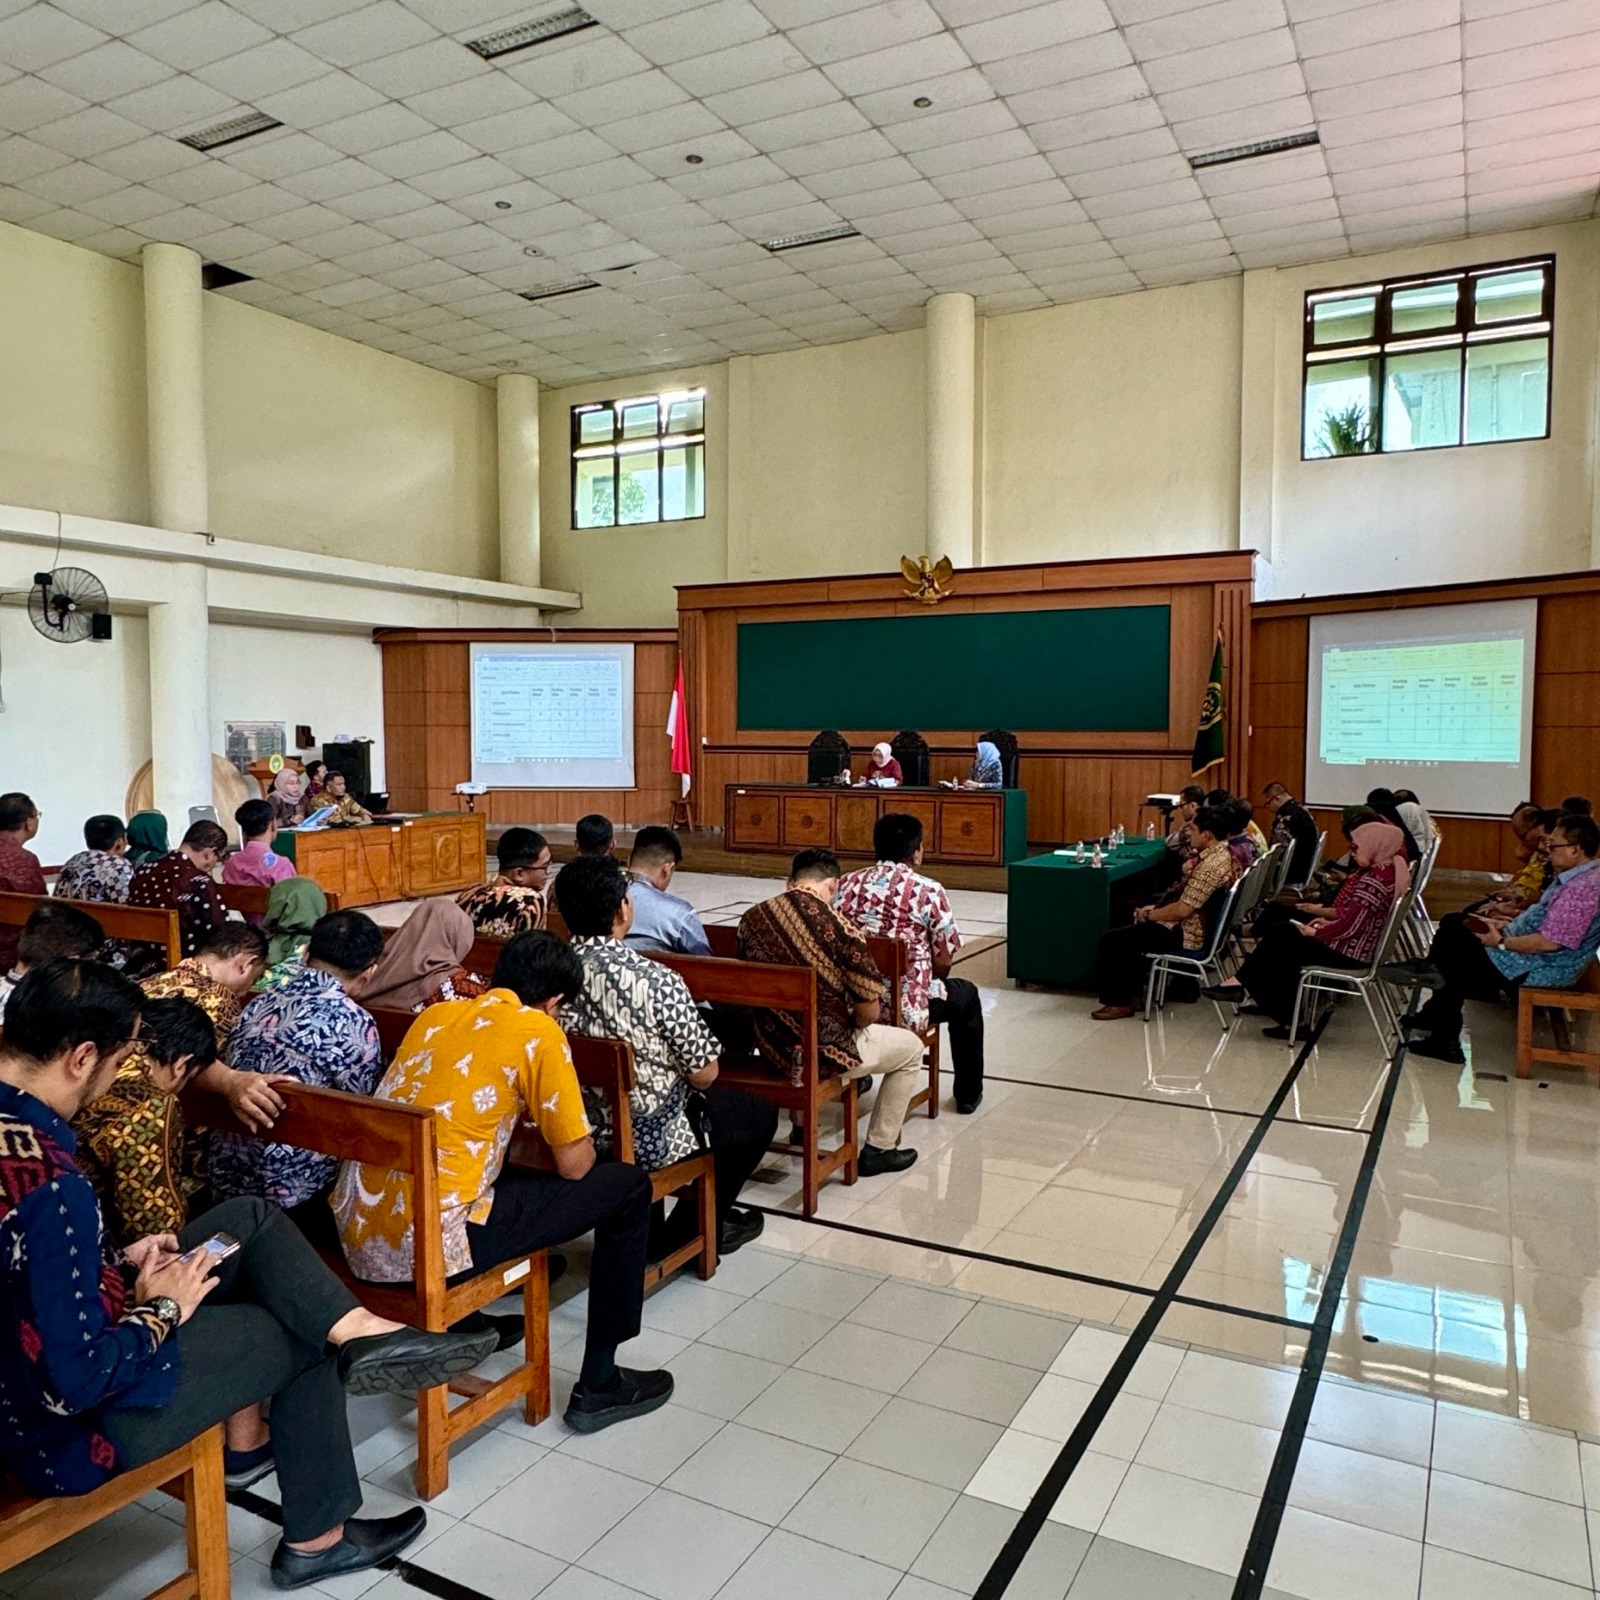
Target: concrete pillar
x,y
180,698
175,389
952,396
517,415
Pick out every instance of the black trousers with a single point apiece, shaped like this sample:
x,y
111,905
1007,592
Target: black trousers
x,y
262,1333
961,1011
1469,974
1123,964
741,1126
1271,972
532,1212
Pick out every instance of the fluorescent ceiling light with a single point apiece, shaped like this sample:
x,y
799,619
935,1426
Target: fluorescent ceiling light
x,y
231,131
1249,152
549,291
798,241
572,19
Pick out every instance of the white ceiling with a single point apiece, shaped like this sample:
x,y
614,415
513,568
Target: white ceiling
x,y
1050,167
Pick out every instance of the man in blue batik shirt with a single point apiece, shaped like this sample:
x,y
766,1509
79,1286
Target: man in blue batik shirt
x,y
661,921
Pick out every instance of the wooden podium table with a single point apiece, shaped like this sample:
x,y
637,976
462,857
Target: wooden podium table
x,y
980,827
407,858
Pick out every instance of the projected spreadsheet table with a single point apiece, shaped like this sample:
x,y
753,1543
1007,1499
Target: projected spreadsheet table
x,y
1425,702
542,708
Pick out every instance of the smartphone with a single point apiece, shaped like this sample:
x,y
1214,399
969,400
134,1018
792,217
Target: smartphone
x,y
216,1249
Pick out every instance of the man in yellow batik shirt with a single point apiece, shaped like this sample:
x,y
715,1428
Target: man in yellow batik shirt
x,y
487,1064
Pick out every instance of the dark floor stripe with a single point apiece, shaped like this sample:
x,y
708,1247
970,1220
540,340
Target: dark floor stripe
x,y
1090,1278
1031,1523
1252,1576
418,1577
1181,1105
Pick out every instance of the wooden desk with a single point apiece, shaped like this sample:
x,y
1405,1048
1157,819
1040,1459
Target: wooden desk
x,y
438,852
983,827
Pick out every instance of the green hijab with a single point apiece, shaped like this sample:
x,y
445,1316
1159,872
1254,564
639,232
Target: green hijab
x,y
294,907
147,837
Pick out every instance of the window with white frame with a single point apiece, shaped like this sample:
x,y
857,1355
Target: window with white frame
x,y
639,460
1420,363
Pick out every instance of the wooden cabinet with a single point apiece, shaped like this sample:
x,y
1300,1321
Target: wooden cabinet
x,y
982,827
438,853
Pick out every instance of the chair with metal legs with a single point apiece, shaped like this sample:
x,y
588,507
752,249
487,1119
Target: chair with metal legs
x,y
1367,981
1207,965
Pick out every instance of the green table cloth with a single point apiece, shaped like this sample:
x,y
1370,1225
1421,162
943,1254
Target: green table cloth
x,y
1057,908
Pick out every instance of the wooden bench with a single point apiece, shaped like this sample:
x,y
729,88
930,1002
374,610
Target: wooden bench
x,y
250,899
892,959
138,924
1583,996
607,1065
192,1473
753,984
402,1138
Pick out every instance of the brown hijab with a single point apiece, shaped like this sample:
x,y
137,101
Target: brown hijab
x,y
427,947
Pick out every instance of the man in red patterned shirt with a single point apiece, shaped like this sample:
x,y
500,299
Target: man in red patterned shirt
x,y
181,881
893,899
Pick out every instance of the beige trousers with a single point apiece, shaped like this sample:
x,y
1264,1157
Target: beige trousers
x,y
896,1054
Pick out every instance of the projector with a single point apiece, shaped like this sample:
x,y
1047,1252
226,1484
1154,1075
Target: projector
x,y
472,788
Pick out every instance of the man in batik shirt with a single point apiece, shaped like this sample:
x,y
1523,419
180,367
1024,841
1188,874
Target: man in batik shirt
x,y
181,881
516,900
101,871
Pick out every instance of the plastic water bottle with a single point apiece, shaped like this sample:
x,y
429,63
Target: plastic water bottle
x,y
1080,853
1150,830
1097,860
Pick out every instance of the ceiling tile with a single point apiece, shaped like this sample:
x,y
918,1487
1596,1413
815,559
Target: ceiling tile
x,y
378,129
1109,122
1037,28
870,175
798,91
1512,66
884,107
1040,69
653,129
1418,51
1205,26
262,70
1219,62
120,16
277,155
148,158
584,60
721,24
365,34
470,101
41,36
1224,130
436,64
21,158
196,38
1536,24
986,150
861,32
104,73
176,102
195,186
740,66
311,106
911,63
89,133
1388,93
67,185
333,181
1265,87
1376,24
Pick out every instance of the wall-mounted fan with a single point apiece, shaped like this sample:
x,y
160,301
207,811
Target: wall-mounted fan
x,y
69,605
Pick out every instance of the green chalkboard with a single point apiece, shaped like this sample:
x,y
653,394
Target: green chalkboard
x,y
1090,670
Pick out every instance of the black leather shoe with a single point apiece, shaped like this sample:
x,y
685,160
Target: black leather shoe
x,y
1438,1050
366,1542
636,1394
507,1329
965,1108
742,1225
409,1359
872,1161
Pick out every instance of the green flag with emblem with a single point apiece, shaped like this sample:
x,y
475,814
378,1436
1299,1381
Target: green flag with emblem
x,y
1208,739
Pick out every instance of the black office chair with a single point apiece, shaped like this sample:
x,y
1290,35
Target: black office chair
x,y
911,751
1006,743
826,757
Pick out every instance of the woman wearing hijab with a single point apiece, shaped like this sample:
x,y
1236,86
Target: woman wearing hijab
x,y
294,907
147,838
882,768
1383,801
421,964
288,798
1345,934
986,773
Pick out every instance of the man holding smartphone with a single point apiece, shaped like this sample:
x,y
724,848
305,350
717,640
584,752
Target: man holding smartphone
x,y
108,1363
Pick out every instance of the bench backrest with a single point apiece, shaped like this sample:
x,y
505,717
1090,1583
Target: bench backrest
x,y
355,1127
141,924
250,899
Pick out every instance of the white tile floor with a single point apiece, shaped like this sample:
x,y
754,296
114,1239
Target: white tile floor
x,y
866,1401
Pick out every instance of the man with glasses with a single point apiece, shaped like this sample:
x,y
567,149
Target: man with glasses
x,y
1548,945
516,900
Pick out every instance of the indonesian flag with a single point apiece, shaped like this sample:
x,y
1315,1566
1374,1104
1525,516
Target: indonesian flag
x,y
678,728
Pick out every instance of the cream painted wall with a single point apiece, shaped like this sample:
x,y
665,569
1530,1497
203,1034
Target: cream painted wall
x,y
76,723
831,473
1111,427
1438,516
72,432
318,443
627,574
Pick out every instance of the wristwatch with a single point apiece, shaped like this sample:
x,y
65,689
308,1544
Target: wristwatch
x,y
167,1309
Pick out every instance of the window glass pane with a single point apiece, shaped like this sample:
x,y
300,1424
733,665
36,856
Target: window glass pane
x,y
637,488
596,427
1338,321
594,498
687,416
639,421
1338,408
1422,400
1428,305
1509,294
1508,389
683,483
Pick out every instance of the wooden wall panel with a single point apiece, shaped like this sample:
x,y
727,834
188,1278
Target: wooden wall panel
x,y
1566,699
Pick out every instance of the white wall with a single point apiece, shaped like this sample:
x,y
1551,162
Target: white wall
x,y
76,723
332,681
